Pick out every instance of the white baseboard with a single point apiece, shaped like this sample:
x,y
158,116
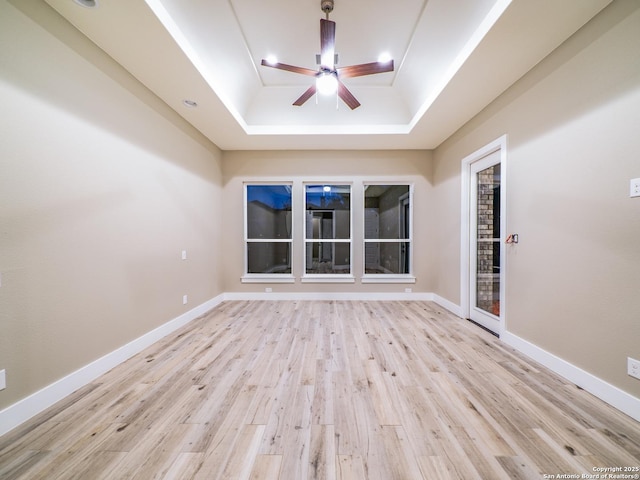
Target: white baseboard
x,y
361,296
606,392
35,403
446,304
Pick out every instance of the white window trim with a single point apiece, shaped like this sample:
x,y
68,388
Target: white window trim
x,y
388,277
266,277
326,277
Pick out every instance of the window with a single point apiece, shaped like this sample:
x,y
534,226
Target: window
x,y
327,230
387,231
268,237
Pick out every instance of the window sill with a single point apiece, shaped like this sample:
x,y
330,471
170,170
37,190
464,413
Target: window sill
x,y
267,278
382,278
328,279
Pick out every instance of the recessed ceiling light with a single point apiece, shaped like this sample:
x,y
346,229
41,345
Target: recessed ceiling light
x,y
189,103
87,3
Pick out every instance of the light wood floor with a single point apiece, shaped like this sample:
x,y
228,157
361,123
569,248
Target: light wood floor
x,y
327,390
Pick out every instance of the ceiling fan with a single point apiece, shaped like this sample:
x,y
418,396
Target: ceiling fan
x,y
328,77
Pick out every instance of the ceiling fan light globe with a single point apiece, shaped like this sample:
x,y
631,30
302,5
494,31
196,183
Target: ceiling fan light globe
x,y
385,57
327,84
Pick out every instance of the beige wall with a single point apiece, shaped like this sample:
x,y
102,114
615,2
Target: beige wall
x,y
573,281
101,188
351,166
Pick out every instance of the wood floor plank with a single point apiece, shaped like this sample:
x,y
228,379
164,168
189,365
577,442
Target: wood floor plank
x,y
184,466
348,416
518,468
41,423
78,449
296,438
447,441
349,467
433,466
465,413
383,396
230,438
240,463
322,407
153,456
420,424
24,464
322,453
289,390
259,411
402,458
266,467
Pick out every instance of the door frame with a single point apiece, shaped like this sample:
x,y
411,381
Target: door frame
x,y
499,144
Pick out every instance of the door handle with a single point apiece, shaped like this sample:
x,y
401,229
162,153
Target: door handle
x,y
512,238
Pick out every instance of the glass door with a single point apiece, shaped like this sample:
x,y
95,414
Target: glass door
x,y
486,248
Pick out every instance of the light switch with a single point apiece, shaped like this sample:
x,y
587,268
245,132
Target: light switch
x,y
633,367
184,254
634,190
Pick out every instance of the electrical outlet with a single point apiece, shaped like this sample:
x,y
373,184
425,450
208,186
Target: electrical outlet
x,y
634,189
408,290
3,379
184,254
184,299
633,367
268,290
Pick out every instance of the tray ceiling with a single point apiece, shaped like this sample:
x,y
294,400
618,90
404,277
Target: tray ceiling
x,y
452,58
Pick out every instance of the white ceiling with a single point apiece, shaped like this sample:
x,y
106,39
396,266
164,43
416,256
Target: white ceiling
x,y
452,58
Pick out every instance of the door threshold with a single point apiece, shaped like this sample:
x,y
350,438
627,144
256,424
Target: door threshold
x,y
495,334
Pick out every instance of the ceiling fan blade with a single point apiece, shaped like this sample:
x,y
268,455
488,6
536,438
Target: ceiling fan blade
x,y
311,91
365,69
347,97
327,43
290,68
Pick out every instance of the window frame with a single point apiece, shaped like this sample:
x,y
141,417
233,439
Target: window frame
x,y
326,277
389,277
267,277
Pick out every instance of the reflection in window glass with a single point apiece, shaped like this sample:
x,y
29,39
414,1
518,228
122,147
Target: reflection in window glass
x,y
387,257
328,229
488,240
269,257
268,229
328,257
387,229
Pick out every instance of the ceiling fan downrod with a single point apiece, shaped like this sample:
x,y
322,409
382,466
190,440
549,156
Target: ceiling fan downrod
x,y
327,7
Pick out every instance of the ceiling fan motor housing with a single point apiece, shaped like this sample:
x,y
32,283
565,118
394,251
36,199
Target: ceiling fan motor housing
x,y
326,6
